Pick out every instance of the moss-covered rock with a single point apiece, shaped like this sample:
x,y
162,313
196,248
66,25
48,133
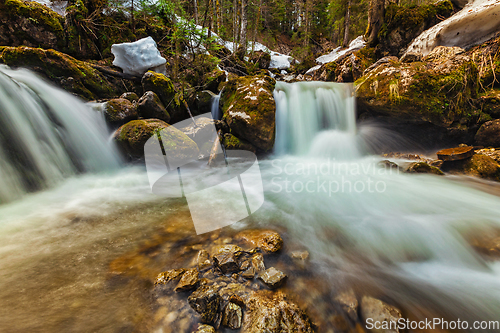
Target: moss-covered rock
x,y
118,111
233,143
423,167
478,165
132,137
31,24
131,96
440,89
347,68
249,109
203,102
212,80
164,88
260,58
73,75
403,23
150,106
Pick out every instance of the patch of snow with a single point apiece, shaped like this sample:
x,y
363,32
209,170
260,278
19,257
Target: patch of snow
x,y
138,57
241,115
474,24
58,6
356,44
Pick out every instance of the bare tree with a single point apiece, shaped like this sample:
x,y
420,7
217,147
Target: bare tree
x,y
347,24
195,4
375,20
244,24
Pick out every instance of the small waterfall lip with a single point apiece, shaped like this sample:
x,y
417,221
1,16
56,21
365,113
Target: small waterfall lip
x,y
46,135
316,118
215,107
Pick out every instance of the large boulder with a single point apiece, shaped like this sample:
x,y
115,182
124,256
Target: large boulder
x,y
70,74
132,137
119,111
249,109
438,93
489,134
30,23
478,165
164,88
150,106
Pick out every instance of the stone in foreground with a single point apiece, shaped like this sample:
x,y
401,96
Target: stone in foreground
x,y
232,316
206,301
273,278
205,329
188,281
455,154
380,312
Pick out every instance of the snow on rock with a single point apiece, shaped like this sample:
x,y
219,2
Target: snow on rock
x,y
355,45
138,57
58,6
474,24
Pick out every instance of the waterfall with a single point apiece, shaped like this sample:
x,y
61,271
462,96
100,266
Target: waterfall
x,y
46,135
318,118
215,109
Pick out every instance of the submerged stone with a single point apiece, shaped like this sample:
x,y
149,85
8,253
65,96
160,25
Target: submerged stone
x,y
188,281
268,240
273,277
206,301
381,312
232,317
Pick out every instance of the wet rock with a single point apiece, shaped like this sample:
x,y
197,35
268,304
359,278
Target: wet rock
x,y
164,88
119,111
150,106
455,154
203,260
206,301
188,281
299,255
203,134
349,303
273,277
423,167
226,259
478,165
237,300
491,152
233,143
258,262
166,281
268,240
232,316
212,80
132,137
131,96
411,57
274,314
378,311
70,74
203,101
205,329
488,134
249,273
248,107
388,165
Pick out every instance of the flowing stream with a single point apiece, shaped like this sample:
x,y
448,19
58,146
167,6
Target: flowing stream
x,y
374,229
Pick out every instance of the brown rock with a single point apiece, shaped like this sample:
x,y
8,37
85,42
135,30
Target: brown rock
x,y
206,301
150,106
203,260
423,167
273,277
205,329
226,258
478,165
188,281
488,134
349,304
455,154
378,311
166,281
118,111
267,240
232,316
258,262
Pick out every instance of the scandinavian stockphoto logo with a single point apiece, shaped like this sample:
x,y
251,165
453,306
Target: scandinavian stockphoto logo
x,y
227,191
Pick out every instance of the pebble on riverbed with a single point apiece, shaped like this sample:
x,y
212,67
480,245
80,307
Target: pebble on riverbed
x,y
273,278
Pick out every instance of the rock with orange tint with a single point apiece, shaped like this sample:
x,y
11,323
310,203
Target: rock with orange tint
x,y
455,154
267,240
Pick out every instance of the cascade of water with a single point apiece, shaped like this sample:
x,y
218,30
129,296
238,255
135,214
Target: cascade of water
x,y
317,118
215,109
46,135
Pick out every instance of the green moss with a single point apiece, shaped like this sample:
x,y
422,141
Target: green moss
x,y
232,142
57,67
40,16
412,17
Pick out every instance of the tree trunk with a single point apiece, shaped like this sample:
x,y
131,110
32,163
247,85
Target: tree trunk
x,y
375,20
257,23
347,24
244,23
195,3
